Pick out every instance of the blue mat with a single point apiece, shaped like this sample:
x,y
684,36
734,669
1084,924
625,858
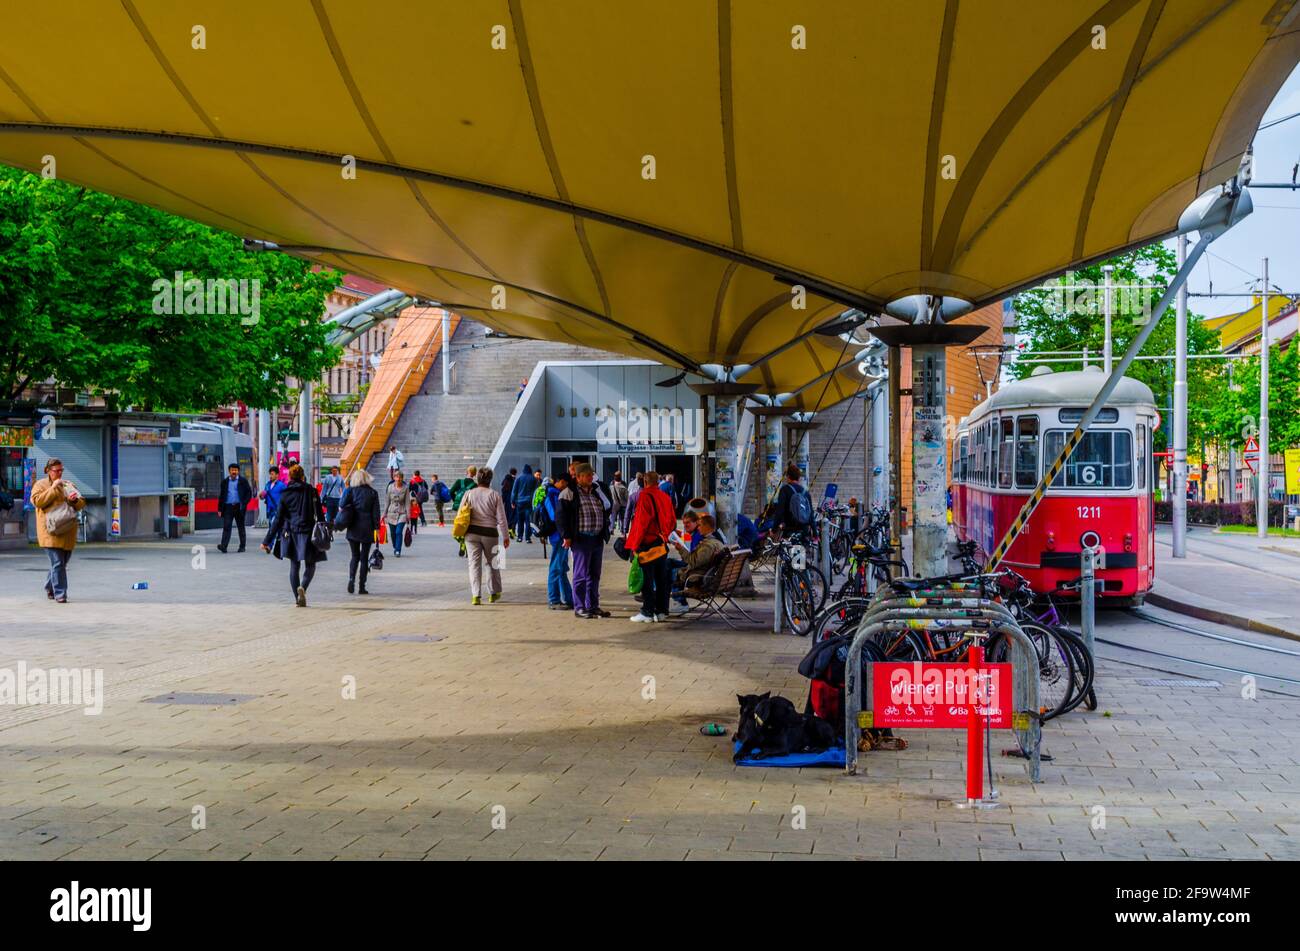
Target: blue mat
x,y
831,757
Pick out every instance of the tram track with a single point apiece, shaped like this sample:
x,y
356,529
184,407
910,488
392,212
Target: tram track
x,y
1235,642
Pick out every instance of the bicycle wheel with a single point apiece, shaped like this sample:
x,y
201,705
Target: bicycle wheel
x,y
1055,666
900,646
1083,670
839,554
818,585
798,600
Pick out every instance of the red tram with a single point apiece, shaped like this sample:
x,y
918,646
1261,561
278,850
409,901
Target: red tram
x,y
1105,487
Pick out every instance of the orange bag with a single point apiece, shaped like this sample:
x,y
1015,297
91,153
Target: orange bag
x,y
383,532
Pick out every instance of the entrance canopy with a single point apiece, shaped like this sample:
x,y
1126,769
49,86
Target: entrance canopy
x,y
686,181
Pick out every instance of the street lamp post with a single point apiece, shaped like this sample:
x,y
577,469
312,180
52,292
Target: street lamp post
x,y
1179,499
1261,494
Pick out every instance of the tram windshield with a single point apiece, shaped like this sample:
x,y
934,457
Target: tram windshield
x,y
1103,460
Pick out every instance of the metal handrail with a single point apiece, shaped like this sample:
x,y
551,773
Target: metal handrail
x,y
436,340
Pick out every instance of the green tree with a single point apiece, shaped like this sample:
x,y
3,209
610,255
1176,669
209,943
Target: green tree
x,y
1068,315
81,303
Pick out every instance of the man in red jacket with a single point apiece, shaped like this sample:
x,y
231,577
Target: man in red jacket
x,y
652,523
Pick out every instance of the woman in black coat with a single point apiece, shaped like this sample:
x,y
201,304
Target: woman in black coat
x,y
359,514
299,510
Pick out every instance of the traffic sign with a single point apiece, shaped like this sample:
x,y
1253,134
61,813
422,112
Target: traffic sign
x,y
1251,455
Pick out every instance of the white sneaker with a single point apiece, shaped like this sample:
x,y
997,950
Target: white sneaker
x,y
677,610
640,618
662,617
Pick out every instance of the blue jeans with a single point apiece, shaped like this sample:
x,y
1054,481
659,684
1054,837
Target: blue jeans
x,y
558,589
395,533
57,581
523,521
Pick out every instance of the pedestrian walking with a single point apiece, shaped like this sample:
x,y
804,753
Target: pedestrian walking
x,y
359,517
463,485
57,503
584,526
420,489
647,537
633,493
522,491
235,495
397,507
618,495
507,487
271,492
559,592
487,530
294,534
395,461
331,493
441,495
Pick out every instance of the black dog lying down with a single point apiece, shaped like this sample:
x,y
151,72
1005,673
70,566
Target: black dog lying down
x,y
774,727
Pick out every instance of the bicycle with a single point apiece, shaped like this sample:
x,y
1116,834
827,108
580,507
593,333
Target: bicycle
x,y
803,589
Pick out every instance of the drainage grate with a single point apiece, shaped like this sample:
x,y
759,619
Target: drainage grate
x,y
202,699
1200,684
409,638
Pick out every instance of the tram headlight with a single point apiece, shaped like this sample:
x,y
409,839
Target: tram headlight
x,y
1128,541
1051,541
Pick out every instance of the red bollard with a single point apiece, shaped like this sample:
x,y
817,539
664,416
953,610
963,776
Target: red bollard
x,y
974,733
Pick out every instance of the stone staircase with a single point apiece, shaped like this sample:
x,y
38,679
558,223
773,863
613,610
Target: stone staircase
x,y
446,434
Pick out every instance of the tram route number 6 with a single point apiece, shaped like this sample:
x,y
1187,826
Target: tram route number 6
x,y
1089,511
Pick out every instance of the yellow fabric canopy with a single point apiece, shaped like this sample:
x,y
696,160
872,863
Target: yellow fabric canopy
x,y
688,181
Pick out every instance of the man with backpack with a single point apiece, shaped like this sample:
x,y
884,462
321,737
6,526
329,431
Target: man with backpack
x,y
441,495
792,512
522,495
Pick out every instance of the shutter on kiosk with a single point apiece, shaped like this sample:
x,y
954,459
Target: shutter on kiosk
x,y
142,470
82,450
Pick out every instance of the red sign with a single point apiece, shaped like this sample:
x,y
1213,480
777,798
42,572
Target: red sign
x,y
940,696
1251,455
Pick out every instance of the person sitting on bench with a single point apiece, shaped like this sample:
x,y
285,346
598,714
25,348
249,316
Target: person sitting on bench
x,y
695,563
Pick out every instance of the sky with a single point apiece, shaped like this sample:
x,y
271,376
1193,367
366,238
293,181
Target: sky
x,y
1233,261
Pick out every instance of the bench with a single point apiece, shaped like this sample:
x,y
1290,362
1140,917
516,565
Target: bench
x,y
717,589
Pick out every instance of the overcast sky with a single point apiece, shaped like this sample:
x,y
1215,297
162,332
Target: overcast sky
x,y
1273,231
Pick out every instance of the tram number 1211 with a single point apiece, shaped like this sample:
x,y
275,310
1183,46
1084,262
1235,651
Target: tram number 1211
x,y
1089,511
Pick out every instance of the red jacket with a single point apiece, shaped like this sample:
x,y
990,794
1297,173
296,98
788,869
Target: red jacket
x,y
653,520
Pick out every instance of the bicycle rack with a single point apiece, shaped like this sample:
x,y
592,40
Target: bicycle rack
x,y
948,608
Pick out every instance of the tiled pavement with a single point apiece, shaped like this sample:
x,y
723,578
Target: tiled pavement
x,y
532,720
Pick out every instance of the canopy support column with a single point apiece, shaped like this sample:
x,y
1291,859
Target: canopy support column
x,y
263,461
1179,500
929,462
305,433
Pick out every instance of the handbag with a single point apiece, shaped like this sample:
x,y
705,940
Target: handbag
x,y
381,535
460,526
407,538
59,518
321,537
343,518
376,560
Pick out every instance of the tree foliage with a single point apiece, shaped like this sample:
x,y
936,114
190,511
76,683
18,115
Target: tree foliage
x,y
1068,315
79,304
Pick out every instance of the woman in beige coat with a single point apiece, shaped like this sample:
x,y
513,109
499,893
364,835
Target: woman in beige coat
x,y
48,495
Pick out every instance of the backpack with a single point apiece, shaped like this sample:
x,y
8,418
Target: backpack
x,y
444,493
421,492
801,507
543,524
539,496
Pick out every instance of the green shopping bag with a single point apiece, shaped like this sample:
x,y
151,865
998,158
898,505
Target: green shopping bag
x,y
635,578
